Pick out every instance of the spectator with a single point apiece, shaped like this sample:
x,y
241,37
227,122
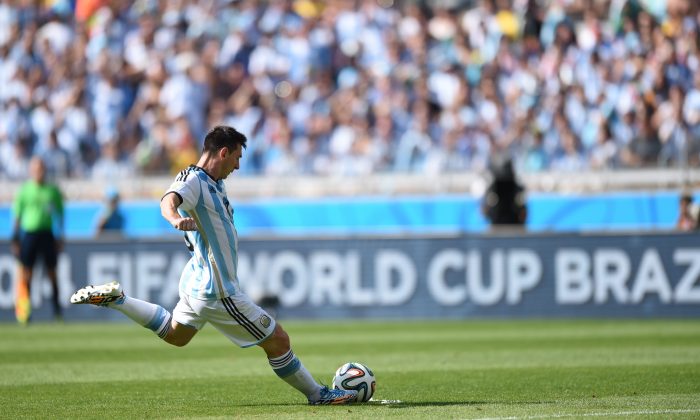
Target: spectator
x,y
111,219
111,165
504,201
58,163
15,158
687,214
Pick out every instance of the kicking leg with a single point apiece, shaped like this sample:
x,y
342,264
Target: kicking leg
x,y
286,364
247,324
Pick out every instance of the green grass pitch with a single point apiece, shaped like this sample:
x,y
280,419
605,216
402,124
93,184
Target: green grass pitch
x,y
437,369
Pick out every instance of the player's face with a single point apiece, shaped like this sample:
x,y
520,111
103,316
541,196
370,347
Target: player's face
x,y
37,170
232,161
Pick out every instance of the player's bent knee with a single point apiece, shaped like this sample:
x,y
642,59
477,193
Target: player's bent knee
x,y
179,334
177,341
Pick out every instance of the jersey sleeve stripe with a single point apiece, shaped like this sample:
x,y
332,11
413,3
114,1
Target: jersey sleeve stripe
x,y
182,176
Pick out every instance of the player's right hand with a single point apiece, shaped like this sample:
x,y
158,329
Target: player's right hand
x,y
184,224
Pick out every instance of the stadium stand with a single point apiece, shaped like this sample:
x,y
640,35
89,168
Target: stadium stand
x,y
109,90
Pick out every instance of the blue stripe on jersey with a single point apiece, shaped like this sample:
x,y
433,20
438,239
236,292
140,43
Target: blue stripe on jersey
x,y
212,289
217,243
227,219
206,278
197,280
191,277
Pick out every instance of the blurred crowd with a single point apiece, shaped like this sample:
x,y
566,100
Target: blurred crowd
x,y
109,89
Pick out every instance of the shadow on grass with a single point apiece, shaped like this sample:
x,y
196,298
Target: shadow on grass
x,y
409,404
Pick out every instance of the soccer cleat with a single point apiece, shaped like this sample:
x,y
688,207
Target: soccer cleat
x,y
98,295
335,396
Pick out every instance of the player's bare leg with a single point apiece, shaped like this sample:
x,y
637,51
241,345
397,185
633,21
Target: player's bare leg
x,y
179,334
277,344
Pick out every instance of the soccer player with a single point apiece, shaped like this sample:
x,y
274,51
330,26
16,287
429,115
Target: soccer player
x,y
36,207
196,203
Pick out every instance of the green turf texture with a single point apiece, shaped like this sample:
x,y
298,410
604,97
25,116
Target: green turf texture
x,y
436,369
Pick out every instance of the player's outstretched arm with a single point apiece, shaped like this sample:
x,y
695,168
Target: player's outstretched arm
x,y
168,208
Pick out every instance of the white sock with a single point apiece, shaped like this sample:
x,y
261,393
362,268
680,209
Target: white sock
x,y
289,368
147,314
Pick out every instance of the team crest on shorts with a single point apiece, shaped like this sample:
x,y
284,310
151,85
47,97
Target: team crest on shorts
x,y
264,320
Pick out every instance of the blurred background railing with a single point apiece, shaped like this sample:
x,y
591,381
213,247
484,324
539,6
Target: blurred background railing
x,y
468,184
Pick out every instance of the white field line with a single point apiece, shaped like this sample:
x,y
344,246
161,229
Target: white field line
x,y
603,414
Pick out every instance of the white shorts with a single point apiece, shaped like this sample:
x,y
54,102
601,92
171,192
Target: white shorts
x,y
237,317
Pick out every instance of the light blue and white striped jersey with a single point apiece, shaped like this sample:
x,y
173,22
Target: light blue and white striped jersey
x,y
211,272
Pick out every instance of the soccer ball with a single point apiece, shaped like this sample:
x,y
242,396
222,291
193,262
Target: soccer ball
x,y
355,376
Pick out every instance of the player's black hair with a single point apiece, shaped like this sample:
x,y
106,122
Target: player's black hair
x,y
223,136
